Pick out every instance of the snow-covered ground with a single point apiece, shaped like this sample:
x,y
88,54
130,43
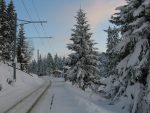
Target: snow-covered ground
x,y
61,97
12,93
64,98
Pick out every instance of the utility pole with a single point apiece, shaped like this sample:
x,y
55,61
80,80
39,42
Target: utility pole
x,y
14,56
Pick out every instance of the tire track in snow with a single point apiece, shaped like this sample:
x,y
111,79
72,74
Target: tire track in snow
x,y
52,102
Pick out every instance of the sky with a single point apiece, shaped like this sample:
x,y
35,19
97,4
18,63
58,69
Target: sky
x,y
59,15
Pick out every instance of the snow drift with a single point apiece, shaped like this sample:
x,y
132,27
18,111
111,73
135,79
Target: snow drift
x,y
23,79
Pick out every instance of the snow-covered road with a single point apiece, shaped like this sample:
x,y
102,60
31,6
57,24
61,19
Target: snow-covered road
x,y
64,98
59,99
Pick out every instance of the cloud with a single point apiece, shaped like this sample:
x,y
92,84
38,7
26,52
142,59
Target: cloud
x,y
101,10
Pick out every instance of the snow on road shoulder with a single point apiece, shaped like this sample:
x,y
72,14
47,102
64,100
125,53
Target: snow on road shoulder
x,y
93,102
91,107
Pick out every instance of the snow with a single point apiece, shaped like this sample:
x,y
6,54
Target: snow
x,y
134,58
132,97
70,99
148,81
138,11
138,21
143,27
27,103
14,92
6,72
120,47
146,2
58,71
122,64
66,67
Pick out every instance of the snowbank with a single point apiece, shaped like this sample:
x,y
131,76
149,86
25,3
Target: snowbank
x,y
12,92
23,79
93,102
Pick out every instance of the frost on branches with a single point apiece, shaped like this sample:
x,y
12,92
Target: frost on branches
x,y
8,20
132,81
83,60
24,51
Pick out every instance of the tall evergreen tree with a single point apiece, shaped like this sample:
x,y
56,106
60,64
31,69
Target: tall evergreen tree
x,y
134,53
112,40
83,61
50,63
56,62
33,67
4,32
109,60
44,66
12,21
24,52
39,65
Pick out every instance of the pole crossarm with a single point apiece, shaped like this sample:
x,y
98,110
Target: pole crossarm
x,y
37,37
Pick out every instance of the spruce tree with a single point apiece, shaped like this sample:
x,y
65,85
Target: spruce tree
x,y
112,40
83,60
44,66
134,53
56,62
12,21
4,32
108,62
103,65
39,65
33,67
50,63
24,52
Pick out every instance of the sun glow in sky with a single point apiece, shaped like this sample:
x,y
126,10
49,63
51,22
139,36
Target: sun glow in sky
x,y
60,16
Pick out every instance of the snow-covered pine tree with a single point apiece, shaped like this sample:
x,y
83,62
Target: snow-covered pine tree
x,y
63,62
39,65
1,37
12,19
28,55
56,62
50,63
112,40
33,67
134,55
108,62
24,52
44,66
83,61
60,63
103,65
4,30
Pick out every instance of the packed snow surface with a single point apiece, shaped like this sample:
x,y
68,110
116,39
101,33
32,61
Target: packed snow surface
x,y
64,98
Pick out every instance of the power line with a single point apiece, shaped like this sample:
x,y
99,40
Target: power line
x,y
35,9
29,16
37,14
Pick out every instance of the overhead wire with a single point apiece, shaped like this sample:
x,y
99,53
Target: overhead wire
x,y
37,14
26,9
